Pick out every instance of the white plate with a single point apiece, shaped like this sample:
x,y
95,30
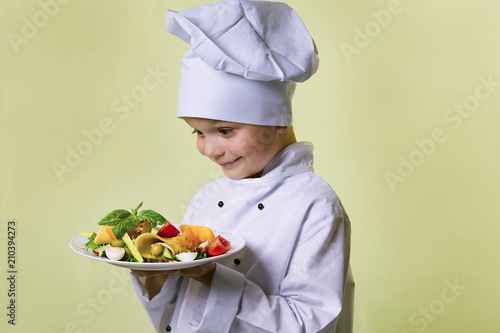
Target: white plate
x,y
77,244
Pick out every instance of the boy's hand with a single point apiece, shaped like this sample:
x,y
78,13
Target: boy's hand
x,y
154,280
203,273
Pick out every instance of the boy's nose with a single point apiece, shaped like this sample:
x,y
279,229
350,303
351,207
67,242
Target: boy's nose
x,y
213,149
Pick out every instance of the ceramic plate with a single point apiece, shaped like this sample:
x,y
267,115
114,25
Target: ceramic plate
x,y
237,244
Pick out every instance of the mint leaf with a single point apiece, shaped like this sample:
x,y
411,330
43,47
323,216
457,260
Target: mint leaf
x,y
115,217
137,209
122,219
121,228
119,231
152,217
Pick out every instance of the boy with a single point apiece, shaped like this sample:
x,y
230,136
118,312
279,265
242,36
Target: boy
x,y
237,82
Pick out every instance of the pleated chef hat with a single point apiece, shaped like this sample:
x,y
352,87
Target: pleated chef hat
x,y
244,61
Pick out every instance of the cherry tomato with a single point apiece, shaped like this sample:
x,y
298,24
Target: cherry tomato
x,y
168,230
219,246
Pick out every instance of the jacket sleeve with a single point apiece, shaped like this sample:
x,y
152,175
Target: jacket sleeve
x,y
311,293
161,307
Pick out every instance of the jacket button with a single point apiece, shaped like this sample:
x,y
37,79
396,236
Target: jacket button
x,y
168,328
237,261
220,204
260,206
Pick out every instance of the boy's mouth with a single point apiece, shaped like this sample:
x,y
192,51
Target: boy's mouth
x,y
229,164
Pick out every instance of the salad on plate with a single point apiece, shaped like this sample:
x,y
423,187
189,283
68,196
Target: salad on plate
x,y
145,236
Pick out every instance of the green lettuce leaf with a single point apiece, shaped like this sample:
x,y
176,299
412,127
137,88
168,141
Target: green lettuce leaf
x,y
90,244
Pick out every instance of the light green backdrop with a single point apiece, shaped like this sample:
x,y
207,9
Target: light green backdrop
x,y
403,114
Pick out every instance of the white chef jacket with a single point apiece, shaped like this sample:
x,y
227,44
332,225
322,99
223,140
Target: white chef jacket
x,y
293,274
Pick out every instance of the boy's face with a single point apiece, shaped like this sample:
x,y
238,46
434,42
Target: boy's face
x,y
241,150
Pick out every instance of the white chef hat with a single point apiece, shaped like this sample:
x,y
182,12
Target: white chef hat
x,y
244,61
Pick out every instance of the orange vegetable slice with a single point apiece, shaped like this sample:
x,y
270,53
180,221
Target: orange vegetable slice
x,y
102,236
201,233
110,233
189,239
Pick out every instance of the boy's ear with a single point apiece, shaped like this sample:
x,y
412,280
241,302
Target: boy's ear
x,y
281,129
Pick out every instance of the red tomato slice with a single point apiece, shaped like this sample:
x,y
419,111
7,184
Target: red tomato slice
x,y
168,230
219,246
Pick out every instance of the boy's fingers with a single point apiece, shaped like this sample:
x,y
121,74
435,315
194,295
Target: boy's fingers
x,y
149,273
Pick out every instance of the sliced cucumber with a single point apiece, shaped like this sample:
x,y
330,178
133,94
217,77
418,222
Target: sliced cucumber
x,y
133,250
168,252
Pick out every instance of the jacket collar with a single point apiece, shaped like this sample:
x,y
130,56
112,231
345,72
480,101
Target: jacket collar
x,y
297,157
293,159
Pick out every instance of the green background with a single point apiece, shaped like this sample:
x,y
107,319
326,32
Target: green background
x,y
404,129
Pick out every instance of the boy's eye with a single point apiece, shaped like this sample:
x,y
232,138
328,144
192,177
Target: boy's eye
x,y
199,133
225,131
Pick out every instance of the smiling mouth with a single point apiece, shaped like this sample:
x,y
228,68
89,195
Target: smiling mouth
x,y
229,164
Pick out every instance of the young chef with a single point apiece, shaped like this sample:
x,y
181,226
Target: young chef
x,y
237,82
